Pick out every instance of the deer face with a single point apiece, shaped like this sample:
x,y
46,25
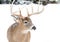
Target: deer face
x,y
28,23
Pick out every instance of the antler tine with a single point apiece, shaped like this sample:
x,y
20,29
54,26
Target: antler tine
x,y
20,12
12,6
13,13
27,11
37,12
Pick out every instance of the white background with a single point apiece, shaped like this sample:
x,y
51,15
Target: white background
x,y
47,24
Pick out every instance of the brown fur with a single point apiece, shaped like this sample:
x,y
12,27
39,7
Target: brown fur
x,y
15,34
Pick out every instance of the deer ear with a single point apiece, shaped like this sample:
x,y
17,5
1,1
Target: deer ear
x,y
16,18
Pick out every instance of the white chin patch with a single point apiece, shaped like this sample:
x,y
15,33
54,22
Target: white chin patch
x,y
28,30
25,31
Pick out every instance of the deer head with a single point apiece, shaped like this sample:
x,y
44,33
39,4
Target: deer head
x,y
26,21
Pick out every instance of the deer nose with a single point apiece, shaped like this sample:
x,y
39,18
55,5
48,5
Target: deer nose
x,y
34,28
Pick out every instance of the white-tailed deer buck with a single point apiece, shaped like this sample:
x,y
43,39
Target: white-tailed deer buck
x,y
20,30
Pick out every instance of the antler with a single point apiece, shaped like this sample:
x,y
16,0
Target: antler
x,y
35,12
12,6
14,13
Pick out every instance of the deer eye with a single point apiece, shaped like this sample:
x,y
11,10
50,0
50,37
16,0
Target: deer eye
x,y
25,22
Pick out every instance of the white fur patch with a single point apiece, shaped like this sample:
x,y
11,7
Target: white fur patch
x,y
25,31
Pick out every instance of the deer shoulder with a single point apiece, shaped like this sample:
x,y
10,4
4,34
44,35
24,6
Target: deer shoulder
x,y
12,28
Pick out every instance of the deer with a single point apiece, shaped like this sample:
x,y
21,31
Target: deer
x,y
20,30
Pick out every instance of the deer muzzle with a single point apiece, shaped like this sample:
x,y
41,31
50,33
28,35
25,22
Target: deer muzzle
x,y
34,28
